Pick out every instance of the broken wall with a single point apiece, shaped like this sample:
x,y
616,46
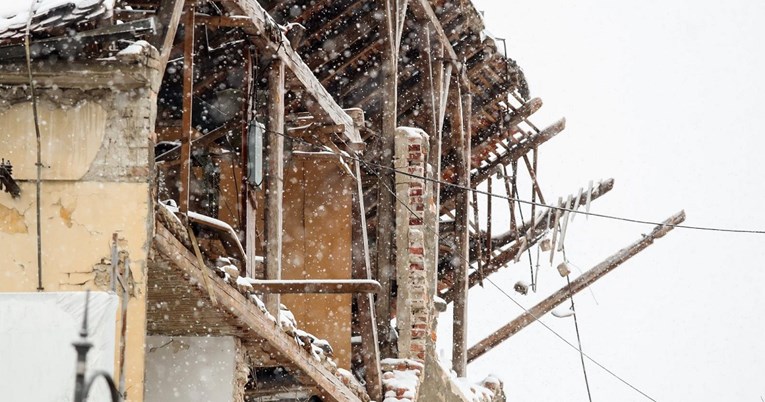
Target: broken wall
x,y
96,127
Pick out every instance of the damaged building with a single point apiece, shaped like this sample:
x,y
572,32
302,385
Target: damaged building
x,y
271,200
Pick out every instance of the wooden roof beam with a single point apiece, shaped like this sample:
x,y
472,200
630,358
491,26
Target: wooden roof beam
x,y
265,32
320,286
533,141
167,248
575,286
511,235
423,10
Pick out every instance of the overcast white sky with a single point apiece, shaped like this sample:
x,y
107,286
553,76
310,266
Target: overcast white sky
x,y
667,98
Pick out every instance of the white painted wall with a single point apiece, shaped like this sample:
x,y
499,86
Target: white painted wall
x,y
189,368
37,360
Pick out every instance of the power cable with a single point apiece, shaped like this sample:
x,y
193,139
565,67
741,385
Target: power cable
x,y
573,308
597,215
571,344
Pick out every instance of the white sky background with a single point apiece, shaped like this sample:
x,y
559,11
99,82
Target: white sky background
x,y
667,98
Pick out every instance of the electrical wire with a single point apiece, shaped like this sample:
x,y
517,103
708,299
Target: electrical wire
x,y
579,349
579,339
554,207
571,344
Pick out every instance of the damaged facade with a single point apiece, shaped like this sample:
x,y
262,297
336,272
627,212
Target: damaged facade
x,y
266,186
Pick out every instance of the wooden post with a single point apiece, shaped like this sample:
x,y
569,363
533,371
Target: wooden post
x,y
431,110
274,176
370,349
572,288
461,129
188,89
386,204
488,222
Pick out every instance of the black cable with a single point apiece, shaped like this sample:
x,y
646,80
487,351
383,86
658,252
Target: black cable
x,y
579,349
597,215
520,214
571,344
579,339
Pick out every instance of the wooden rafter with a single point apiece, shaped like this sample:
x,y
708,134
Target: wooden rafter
x,y
574,287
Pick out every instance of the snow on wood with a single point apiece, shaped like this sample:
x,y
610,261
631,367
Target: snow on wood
x,y
563,313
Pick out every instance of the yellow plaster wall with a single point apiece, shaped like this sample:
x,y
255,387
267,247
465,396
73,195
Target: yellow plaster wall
x,y
78,219
317,245
70,138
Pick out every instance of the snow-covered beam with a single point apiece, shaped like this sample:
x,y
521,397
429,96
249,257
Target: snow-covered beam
x,y
575,286
316,286
172,262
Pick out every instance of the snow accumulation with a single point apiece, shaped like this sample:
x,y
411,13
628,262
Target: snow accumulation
x,y
134,49
474,392
414,133
319,349
14,14
401,378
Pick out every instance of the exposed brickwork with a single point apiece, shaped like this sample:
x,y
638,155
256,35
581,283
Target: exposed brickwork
x,y
401,379
415,306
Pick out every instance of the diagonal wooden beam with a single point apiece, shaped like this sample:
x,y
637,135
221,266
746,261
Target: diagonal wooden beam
x,y
512,235
574,287
264,31
362,269
532,230
168,18
174,254
517,152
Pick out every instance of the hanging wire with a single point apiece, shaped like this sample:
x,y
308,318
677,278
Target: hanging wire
x,y
579,339
582,355
553,207
569,343
576,325
520,214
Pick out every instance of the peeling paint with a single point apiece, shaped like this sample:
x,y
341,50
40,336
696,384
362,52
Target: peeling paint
x,y
12,221
66,212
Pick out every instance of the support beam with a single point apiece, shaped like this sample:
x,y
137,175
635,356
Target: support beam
x,y
423,10
321,286
386,204
573,288
274,184
264,31
532,230
186,128
461,129
523,148
370,350
168,18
